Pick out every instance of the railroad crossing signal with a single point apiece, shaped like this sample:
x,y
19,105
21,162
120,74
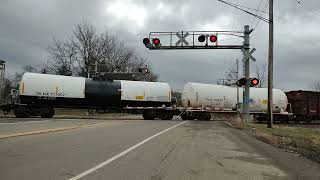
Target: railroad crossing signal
x,y
182,39
242,82
248,55
178,40
203,36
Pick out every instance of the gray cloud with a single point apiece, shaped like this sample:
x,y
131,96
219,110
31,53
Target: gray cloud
x,y
28,26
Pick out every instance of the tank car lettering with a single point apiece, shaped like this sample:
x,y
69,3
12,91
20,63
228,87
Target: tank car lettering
x,y
208,99
51,94
218,100
22,91
45,94
150,98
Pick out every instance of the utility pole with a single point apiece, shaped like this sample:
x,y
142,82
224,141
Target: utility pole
x,y
237,86
270,66
246,93
2,80
270,57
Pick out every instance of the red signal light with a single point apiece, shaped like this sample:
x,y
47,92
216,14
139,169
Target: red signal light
x,y
254,81
213,38
156,41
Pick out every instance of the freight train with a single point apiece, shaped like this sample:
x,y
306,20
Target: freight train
x,y
39,94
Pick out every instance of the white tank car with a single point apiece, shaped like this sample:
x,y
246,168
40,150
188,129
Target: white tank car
x,y
218,97
145,91
35,84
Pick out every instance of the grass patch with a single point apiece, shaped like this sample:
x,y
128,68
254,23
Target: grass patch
x,y
305,141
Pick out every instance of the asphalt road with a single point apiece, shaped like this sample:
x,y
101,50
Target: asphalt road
x,y
137,149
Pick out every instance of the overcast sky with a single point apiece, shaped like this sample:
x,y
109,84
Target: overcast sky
x,y
27,28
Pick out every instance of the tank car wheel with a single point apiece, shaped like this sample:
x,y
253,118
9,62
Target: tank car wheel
x,y
286,120
297,119
21,113
148,115
308,120
208,117
184,117
168,116
47,113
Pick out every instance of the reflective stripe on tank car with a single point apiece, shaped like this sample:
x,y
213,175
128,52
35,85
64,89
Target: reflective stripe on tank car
x,y
22,89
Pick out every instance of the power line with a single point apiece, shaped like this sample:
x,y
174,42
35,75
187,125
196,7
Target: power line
x,y
233,20
248,12
302,4
256,12
237,6
234,16
256,26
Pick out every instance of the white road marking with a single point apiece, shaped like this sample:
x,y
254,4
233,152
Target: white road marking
x,y
121,154
25,122
227,123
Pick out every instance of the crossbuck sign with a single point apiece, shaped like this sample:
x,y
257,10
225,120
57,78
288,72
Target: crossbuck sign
x,y
248,55
182,39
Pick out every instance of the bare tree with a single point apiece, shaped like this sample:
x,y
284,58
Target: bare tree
x,y
29,68
88,52
231,75
62,58
8,85
316,86
260,74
